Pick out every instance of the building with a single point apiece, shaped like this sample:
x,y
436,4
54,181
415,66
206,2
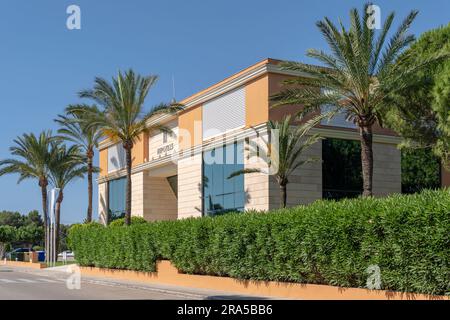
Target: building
x,y
173,176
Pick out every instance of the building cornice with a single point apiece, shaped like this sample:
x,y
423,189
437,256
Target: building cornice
x,y
239,81
160,119
225,87
353,135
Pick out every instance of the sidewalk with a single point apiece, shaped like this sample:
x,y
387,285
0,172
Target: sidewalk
x,y
61,273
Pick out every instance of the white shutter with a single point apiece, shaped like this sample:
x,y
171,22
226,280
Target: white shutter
x,y
116,158
224,113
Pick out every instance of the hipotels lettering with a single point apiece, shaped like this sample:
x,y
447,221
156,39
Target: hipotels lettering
x,y
165,149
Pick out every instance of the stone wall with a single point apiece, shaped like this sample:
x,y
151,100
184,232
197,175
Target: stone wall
x,y
305,183
137,194
160,202
152,198
103,202
387,172
190,186
256,185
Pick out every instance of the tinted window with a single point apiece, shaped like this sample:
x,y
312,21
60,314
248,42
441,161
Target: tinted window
x,y
341,169
221,194
116,197
173,182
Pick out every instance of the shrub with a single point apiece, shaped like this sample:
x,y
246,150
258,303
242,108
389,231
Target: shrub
x,y
121,222
117,247
326,242
8,234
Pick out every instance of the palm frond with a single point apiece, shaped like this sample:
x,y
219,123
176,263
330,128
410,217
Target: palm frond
x,y
285,146
356,72
244,171
32,156
66,165
123,117
399,41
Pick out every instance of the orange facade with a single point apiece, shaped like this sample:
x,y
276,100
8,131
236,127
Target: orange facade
x,y
257,101
139,153
103,162
190,128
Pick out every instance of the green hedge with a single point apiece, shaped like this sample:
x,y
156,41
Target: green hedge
x,y
114,247
327,242
121,221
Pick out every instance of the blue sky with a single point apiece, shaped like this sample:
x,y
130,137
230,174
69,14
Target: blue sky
x,y
43,64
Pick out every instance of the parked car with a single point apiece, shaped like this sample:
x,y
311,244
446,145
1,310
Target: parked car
x,y
69,255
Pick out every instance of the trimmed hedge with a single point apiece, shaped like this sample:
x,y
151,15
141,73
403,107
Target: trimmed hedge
x,y
114,247
327,242
121,221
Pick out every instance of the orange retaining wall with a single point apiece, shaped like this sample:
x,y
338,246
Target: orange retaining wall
x,y
34,265
168,274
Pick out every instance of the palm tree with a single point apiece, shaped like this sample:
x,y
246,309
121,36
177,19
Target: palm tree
x,y
74,129
283,154
66,165
123,119
33,154
357,76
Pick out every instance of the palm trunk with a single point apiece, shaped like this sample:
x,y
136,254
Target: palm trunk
x,y
283,195
59,200
367,159
43,184
90,155
128,147
44,204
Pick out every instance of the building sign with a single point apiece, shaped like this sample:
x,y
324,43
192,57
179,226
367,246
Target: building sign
x,y
165,149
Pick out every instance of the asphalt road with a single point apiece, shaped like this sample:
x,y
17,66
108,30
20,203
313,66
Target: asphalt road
x,y
26,284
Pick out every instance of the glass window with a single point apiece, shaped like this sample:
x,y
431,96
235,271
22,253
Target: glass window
x,y
221,194
173,182
341,169
339,119
116,197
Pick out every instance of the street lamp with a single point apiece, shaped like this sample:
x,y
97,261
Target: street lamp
x,y
50,241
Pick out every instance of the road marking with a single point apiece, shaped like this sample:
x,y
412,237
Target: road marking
x,y
7,281
37,280
48,280
26,280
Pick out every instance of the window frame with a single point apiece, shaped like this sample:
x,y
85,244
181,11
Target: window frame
x,y
236,149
